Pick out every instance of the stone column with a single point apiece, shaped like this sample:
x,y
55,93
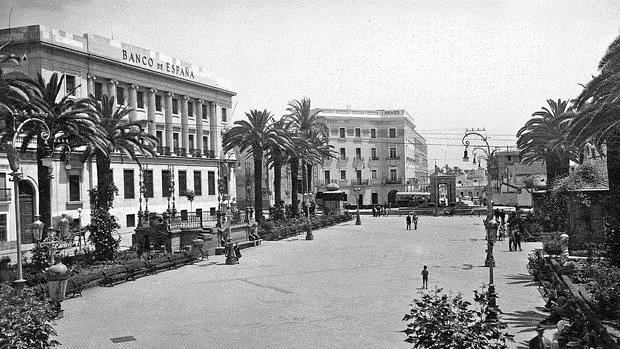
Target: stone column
x,y
133,102
214,123
198,115
168,119
90,88
112,89
184,128
151,112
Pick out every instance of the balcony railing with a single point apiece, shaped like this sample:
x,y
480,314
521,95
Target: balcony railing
x,y
394,158
343,158
180,151
5,194
324,182
393,180
359,158
359,182
374,158
210,154
195,153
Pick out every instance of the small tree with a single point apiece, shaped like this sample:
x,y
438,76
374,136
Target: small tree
x,y
102,223
190,195
441,321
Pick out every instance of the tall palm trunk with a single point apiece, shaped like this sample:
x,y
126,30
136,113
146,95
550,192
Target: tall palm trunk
x,y
277,178
104,175
294,181
304,180
613,173
45,204
258,185
309,176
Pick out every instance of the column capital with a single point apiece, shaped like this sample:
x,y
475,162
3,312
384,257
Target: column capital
x,y
113,82
134,87
200,101
152,90
169,94
91,77
186,98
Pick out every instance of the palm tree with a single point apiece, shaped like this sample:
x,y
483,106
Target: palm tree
x,y
597,117
126,137
17,91
543,138
72,123
254,136
277,156
302,121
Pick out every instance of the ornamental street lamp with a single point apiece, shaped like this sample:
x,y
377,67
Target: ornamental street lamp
x,y
357,191
490,224
16,178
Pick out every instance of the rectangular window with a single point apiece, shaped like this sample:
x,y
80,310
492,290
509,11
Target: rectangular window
x,y
190,141
128,184
342,132
358,153
74,187
373,133
160,138
393,174
157,103
373,153
70,85
373,174
327,177
3,230
224,116
182,180
148,183
205,112
197,183
175,140
392,153
343,175
211,182
175,106
140,99
131,220
392,132
359,175
190,109
358,133
165,183
98,91
343,153
205,145
120,95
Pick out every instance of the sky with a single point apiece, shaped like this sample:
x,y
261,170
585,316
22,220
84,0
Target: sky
x,y
452,65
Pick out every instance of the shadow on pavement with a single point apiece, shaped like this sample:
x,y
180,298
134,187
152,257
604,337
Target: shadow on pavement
x,y
526,320
525,279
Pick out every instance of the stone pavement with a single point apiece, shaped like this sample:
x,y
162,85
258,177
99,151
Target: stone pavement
x,y
350,287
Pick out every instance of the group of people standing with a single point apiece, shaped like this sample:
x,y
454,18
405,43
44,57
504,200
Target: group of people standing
x,y
379,210
510,227
412,218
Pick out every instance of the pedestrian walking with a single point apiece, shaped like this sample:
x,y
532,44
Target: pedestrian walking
x,y
408,220
517,240
415,220
424,278
510,235
502,232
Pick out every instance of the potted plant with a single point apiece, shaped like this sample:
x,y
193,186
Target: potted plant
x,y
57,276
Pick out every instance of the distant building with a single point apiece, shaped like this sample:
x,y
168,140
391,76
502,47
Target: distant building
x,y
378,150
509,188
471,185
175,100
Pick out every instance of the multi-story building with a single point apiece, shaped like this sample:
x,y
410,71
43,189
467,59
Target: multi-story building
x,y
379,151
509,187
471,185
177,102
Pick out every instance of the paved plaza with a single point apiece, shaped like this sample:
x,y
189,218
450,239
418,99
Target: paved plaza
x,y
349,288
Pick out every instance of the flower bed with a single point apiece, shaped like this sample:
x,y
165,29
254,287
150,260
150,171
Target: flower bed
x,y
270,230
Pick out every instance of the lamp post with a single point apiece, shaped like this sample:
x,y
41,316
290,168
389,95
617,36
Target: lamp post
x,y
16,178
80,226
357,191
490,224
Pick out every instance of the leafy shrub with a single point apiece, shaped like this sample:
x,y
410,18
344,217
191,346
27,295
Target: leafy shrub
x,y
41,256
440,321
25,321
102,223
605,290
612,241
551,244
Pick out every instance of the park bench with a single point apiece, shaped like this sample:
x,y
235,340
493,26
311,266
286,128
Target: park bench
x,y
137,269
114,275
163,262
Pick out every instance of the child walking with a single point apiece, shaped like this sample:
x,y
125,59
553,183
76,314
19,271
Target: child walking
x,y
424,278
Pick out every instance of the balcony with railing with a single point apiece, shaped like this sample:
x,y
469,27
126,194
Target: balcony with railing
x,y
393,180
359,182
323,182
374,158
210,154
5,194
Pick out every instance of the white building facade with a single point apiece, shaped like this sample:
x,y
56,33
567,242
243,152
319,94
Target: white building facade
x,y
177,102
